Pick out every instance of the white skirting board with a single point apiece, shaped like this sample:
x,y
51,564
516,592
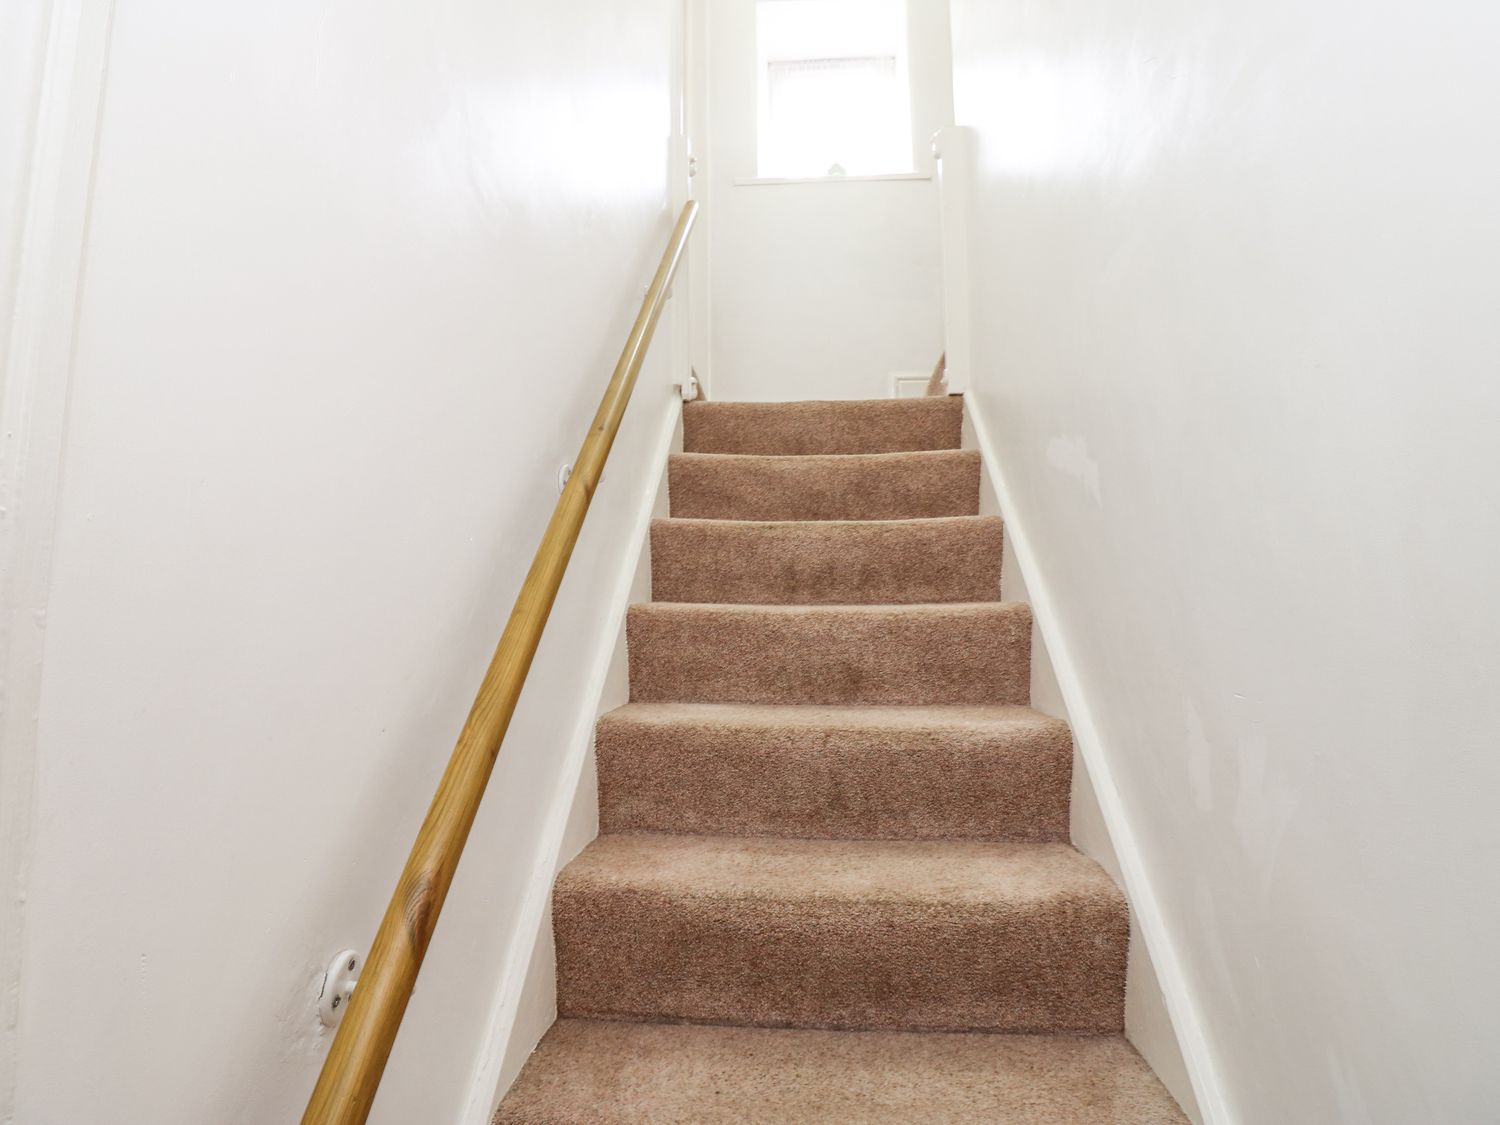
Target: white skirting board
x,y
526,1001
1147,922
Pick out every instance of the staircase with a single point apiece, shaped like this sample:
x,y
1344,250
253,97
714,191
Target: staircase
x,y
833,882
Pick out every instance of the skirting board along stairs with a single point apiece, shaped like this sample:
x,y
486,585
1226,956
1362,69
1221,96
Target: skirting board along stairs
x,y
833,882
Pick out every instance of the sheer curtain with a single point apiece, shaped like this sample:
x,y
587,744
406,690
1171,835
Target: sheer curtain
x,y
835,116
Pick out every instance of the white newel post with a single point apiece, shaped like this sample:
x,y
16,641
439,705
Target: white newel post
x,y
953,148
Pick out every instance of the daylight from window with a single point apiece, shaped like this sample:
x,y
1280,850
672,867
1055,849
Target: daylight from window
x,y
834,94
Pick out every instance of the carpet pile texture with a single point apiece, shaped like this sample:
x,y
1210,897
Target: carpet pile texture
x,y
833,882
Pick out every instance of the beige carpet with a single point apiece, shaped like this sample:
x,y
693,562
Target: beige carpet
x,y
860,486
975,652
663,1074
826,562
864,773
879,426
833,883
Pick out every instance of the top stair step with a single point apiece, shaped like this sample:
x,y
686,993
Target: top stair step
x,y
896,425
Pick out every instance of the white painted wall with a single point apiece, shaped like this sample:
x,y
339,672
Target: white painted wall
x,y
51,57
1148,1022
355,278
1236,343
23,33
821,290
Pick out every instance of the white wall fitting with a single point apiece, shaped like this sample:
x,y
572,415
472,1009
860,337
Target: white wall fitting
x,y
821,289
1235,336
355,279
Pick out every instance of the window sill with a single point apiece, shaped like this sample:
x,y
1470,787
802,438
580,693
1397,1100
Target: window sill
x,y
763,181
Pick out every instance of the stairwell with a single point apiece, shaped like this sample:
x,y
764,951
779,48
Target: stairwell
x,y
833,881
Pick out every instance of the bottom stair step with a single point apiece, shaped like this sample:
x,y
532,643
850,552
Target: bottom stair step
x,y
617,1073
841,934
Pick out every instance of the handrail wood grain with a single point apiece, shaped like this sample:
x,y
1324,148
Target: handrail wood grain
x,y
351,1073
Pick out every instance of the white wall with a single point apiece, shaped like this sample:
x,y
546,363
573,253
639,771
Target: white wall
x,y
1148,1023
22,50
821,290
355,278
1236,338
23,30
46,143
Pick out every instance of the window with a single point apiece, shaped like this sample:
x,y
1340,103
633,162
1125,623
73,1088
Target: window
x,y
834,94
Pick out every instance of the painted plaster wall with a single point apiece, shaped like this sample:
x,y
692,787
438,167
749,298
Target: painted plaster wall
x,y
354,280
1235,329
23,30
1148,1024
821,290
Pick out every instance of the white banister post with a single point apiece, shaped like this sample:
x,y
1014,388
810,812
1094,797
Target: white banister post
x,y
953,148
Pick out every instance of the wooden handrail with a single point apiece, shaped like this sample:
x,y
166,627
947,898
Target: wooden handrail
x,y
351,1072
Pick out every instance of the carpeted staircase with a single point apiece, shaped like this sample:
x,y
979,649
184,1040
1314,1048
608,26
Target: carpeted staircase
x,y
833,882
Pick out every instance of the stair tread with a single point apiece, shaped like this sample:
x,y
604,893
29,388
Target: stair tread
x,y
915,524
948,652
935,609
944,772
950,935
823,426
944,873
846,486
895,457
937,716
824,562
617,1073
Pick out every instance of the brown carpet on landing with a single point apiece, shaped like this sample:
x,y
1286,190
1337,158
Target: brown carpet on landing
x,y
803,428
833,829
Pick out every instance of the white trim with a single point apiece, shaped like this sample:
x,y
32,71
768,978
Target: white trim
x,y
771,181
485,1088
910,384
1182,1007
33,413
695,17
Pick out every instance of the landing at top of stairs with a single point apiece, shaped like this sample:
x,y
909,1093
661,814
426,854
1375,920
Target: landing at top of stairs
x,y
860,426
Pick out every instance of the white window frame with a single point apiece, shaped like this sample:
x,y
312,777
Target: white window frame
x,y
831,52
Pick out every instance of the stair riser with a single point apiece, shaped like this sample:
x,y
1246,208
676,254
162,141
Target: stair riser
x,y
822,427
893,487
894,563
920,655
953,967
832,783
